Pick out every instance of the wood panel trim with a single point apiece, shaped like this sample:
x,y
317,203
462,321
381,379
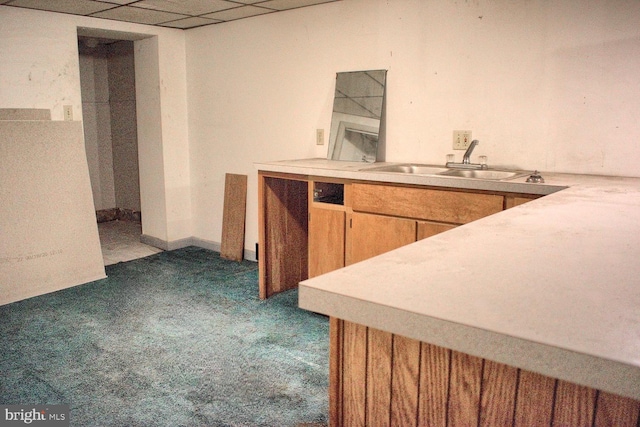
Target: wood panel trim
x,y
354,375
336,362
379,368
435,369
405,377
434,386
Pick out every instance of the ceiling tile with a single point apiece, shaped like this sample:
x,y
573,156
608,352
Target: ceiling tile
x,y
291,4
187,7
238,13
166,13
248,1
138,15
75,7
192,22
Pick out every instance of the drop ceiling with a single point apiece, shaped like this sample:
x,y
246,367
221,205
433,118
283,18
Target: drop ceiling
x,y
183,14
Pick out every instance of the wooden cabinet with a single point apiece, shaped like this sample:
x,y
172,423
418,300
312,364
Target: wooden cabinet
x,y
386,217
300,237
370,235
326,240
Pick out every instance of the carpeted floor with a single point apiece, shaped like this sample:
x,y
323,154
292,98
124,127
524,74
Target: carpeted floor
x,y
179,338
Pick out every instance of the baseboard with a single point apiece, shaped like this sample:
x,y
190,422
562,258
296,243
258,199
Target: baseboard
x,y
190,241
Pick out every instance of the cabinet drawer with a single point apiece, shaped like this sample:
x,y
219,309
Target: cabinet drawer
x,y
424,203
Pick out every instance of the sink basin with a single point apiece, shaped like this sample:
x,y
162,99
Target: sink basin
x,y
409,169
484,173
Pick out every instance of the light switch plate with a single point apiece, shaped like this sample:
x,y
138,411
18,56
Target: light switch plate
x,y
461,139
319,136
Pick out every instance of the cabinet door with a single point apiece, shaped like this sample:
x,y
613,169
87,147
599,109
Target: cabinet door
x,y
370,235
326,240
428,229
513,201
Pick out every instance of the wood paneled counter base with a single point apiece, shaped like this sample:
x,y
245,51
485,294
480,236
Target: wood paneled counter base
x,y
383,379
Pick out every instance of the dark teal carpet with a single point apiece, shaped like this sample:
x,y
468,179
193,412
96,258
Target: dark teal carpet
x,y
175,339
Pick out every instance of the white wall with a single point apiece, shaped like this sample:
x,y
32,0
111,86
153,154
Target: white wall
x,y
543,85
546,85
39,68
96,117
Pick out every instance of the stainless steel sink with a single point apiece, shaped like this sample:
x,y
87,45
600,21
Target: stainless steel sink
x,y
492,174
408,168
421,169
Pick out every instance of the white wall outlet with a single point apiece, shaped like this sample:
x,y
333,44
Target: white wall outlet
x,y
68,112
461,139
319,136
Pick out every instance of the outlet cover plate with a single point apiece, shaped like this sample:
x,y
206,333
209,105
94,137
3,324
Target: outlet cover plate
x,y
461,139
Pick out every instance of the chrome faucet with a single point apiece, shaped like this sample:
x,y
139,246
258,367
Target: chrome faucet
x,y
466,159
467,154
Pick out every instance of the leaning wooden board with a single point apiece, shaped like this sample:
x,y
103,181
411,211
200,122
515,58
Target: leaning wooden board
x,y
233,218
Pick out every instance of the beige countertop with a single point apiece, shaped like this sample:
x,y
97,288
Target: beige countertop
x,y
551,286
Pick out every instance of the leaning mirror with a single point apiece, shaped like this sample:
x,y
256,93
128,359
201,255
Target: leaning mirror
x,y
357,115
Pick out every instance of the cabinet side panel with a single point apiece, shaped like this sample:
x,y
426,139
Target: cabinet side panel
x,y
285,232
379,358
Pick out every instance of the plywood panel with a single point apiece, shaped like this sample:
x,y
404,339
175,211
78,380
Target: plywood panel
x,y
434,385
379,359
233,217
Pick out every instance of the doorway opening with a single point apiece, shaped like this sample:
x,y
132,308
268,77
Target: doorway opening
x,y
107,76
